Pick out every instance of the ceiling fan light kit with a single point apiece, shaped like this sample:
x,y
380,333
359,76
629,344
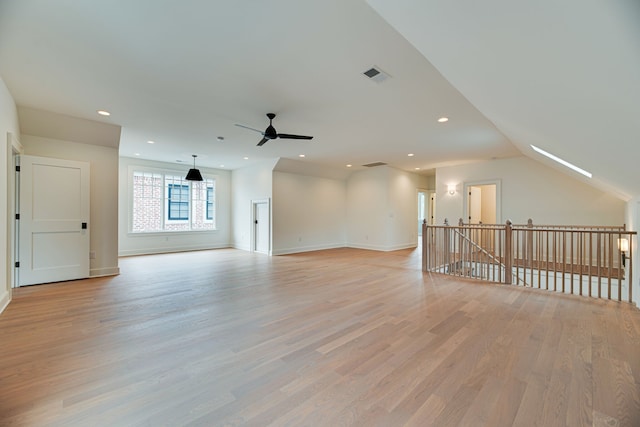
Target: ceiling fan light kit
x,y
271,133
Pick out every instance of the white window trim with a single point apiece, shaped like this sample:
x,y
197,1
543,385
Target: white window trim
x,y
166,171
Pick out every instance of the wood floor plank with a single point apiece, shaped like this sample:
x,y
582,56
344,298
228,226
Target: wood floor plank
x,y
329,338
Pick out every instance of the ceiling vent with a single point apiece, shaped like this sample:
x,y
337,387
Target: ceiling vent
x,y
373,165
376,74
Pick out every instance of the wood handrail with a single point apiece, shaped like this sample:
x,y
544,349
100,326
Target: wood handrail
x,y
563,258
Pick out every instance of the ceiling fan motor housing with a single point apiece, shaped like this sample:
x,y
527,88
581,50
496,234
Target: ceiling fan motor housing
x,y
270,133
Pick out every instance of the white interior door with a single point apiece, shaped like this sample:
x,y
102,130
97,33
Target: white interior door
x,y
475,205
261,224
54,220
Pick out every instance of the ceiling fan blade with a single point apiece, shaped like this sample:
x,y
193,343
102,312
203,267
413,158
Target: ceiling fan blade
x,y
247,127
288,136
262,141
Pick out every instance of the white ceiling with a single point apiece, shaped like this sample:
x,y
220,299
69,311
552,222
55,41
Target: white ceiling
x,y
183,73
561,75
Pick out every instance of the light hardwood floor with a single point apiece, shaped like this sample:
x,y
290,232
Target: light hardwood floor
x,y
329,338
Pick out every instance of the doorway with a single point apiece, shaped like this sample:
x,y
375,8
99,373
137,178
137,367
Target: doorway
x,y
261,226
426,208
482,202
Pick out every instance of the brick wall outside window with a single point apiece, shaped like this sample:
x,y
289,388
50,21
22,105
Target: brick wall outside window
x,y
150,204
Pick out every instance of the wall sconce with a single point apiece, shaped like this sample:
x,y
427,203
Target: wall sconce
x,y
623,246
451,188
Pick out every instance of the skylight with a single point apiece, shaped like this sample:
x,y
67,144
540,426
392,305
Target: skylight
x,y
562,162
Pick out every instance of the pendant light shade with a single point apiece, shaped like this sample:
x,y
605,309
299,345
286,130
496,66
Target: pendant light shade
x,y
194,174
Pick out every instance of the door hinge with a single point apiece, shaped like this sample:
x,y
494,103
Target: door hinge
x,y
17,216
17,264
17,168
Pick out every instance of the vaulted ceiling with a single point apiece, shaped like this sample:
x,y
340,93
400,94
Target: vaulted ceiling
x,y
560,76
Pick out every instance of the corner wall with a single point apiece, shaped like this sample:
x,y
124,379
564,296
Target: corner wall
x,y
8,124
382,208
309,213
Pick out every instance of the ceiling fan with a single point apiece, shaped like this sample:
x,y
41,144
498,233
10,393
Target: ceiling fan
x,y
270,132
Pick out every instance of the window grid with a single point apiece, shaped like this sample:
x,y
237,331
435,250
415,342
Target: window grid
x,y
165,202
178,202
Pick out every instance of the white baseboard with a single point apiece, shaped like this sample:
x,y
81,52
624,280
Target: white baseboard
x,y
166,250
311,248
107,271
382,248
5,300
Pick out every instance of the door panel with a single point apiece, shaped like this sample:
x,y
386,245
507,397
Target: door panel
x,y
54,205
262,227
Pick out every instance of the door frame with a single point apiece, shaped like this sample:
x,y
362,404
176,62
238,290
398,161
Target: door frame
x,y
465,198
254,204
428,208
14,149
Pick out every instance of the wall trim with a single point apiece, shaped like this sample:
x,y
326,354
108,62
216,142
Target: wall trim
x,y
241,247
4,301
102,272
170,249
383,248
300,249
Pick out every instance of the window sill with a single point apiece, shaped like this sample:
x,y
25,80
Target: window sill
x,y
170,233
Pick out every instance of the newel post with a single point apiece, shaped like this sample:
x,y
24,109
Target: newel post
x,y
508,253
425,251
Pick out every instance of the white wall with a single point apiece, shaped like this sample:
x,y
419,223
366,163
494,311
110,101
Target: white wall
x,y
367,204
150,243
382,208
8,124
103,221
529,190
253,182
402,229
309,213
632,219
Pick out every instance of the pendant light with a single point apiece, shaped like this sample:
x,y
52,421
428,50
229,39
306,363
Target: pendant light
x,y
194,174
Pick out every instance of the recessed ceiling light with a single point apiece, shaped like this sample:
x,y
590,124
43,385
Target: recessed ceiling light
x,y
301,155
562,162
136,154
245,158
178,161
151,142
443,119
417,169
104,113
221,166
349,166
410,154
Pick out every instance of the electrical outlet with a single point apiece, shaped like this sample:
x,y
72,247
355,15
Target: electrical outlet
x,y
92,255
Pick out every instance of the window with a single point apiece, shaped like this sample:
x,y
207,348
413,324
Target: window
x,y
164,201
178,199
210,202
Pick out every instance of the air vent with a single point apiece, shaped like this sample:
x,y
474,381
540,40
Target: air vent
x,y
376,74
373,165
